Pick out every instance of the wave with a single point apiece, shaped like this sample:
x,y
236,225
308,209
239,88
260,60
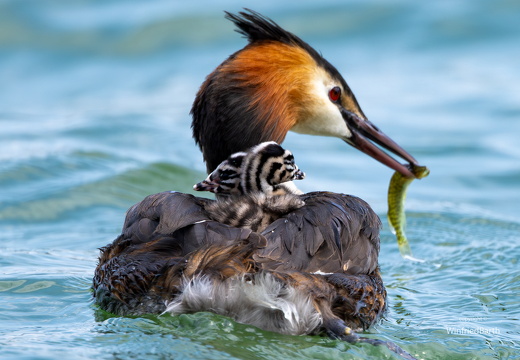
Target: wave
x,y
119,191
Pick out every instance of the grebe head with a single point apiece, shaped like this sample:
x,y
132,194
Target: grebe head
x,y
275,84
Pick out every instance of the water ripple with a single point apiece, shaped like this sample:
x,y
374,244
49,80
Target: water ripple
x,y
95,116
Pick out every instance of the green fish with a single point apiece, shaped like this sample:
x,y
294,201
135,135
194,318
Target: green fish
x,y
396,196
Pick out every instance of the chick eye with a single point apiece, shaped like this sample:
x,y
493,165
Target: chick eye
x,y
335,94
224,175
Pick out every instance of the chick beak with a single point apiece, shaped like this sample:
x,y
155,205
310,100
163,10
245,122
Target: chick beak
x,y
365,134
298,175
211,183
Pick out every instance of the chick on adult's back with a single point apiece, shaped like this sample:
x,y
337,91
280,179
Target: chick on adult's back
x,y
251,187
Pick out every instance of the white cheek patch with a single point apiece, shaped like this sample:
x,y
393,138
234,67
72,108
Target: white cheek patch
x,y
322,116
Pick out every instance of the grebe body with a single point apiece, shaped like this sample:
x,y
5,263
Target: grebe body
x,y
314,268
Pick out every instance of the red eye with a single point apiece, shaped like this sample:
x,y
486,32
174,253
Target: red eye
x,y
335,94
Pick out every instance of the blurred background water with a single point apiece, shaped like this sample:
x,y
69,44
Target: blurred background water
x,y
94,116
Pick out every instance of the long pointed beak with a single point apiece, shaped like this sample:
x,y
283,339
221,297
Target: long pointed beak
x,y
365,134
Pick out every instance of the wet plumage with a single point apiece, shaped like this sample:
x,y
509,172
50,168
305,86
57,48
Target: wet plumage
x,y
144,267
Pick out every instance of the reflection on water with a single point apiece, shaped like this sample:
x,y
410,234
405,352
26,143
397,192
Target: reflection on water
x,y
94,115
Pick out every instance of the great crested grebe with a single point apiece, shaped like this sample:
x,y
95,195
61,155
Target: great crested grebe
x,y
252,182
314,269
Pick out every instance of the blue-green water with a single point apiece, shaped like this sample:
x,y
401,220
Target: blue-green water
x,y
94,102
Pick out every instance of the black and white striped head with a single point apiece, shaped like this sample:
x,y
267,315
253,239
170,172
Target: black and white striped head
x,y
267,165
260,169
225,179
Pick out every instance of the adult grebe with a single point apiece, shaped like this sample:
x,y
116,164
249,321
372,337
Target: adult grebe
x,y
313,269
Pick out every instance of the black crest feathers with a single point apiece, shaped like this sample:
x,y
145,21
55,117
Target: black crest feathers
x,y
256,27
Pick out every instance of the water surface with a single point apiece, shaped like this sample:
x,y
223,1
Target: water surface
x,y
94,116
